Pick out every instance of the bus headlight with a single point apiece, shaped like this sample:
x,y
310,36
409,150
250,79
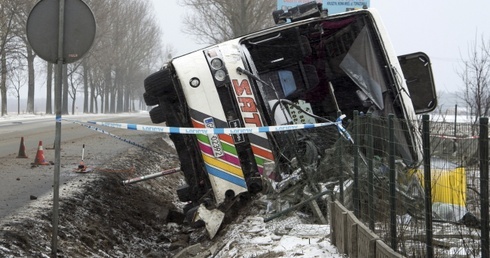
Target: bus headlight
x,y
216,63
220,75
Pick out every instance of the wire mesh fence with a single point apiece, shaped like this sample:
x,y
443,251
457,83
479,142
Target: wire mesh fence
x,y
396,208
422,198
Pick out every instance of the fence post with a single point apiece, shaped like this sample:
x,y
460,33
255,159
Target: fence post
x,y
455,127
357,123
427,185
341,170
370,154
483,142
391,128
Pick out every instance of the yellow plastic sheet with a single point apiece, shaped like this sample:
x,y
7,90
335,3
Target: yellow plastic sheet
x,y
448,185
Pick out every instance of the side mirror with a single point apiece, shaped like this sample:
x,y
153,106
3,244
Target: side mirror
x,y
420,82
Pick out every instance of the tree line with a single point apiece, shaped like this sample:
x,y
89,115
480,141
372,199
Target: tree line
x,y
126,49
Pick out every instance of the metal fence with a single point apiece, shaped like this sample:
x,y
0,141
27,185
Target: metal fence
x,y
433,208
421,186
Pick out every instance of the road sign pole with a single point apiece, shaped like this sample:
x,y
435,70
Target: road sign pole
x,y
57,140
46,33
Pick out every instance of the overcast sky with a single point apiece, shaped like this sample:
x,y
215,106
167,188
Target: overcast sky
x,y
442,29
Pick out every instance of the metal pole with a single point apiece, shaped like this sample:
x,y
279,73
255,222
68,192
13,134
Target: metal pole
x,y
57,140
455,127
356,163
427,186
370,153
151,176
391,128
341,172
484,186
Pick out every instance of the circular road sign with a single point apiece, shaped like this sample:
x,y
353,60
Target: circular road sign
x,y
43,26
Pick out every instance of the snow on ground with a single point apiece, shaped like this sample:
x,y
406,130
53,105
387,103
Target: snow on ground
x,y
250,236
289,237
12,117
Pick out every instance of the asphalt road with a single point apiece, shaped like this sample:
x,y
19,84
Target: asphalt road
x,y
43,129
20,182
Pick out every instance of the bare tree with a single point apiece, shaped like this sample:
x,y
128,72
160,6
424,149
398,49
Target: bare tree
x,y
75,80
127,40
17,80
137,39
7,26
475,75
49,87
214,21
127,47
22,10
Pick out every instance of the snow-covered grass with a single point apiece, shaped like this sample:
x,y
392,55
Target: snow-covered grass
x,y
12,117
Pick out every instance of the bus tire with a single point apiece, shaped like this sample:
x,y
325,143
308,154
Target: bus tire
x,y
159,83
150,100
157,115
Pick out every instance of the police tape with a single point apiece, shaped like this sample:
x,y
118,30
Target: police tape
x,y
111,135
342,130
212,131
243,130
193,130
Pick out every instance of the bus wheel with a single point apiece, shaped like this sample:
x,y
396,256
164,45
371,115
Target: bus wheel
x,y
157,115
159,84
150,100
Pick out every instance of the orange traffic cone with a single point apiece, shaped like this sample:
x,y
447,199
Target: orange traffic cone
x,y
40,160
22,149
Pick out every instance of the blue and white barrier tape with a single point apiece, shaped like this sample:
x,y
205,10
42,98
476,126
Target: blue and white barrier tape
x,y
342,130
192,130
112,135
211,131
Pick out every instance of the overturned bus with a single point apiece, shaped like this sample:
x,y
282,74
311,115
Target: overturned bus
x,y
307,69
